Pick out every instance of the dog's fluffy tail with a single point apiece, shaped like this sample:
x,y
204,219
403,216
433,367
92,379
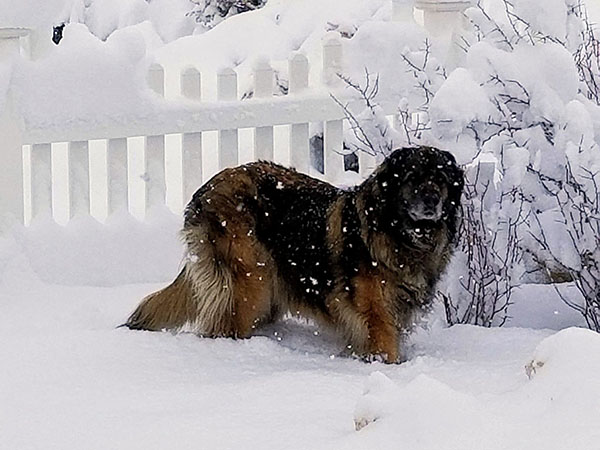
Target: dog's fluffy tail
x,y
170,308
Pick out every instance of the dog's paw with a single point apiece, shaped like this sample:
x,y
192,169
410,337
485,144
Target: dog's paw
x,y
383,358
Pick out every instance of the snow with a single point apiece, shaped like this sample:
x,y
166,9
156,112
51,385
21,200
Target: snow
x,y
472,104
31,13
103,17
169,18
87,252
557,408
85,78
73,380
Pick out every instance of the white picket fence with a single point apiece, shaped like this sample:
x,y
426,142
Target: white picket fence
x,y
227,116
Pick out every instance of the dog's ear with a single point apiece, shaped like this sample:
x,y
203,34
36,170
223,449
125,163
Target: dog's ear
x,y
397,162
455,175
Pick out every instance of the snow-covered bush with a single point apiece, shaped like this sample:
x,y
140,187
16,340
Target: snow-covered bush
x,y
209,13
568,233
525,99
370,130
486,267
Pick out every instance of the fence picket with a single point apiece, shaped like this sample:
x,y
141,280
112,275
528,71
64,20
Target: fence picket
x,y
191,143
154,176
116,170
366,163
333,146
79,178
41,181
228,139
333,133
299,139
263,88
154,149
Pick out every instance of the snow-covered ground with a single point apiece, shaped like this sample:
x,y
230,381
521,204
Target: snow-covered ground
x,y
71,380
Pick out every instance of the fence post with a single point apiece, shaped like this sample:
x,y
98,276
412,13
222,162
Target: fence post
x,y
332,61
191,143
333,132
11,150
442,19
299,144
263,88
154,149
403,10
228,139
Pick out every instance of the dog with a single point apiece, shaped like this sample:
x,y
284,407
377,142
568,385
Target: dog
x,y
263,240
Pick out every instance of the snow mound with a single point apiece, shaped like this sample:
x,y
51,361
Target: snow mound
x,y
430,400
566,359
30,13
85,79
422,403
552,409
86,252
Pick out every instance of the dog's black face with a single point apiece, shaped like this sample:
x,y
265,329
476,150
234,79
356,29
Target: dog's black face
x,y
423,197
425,182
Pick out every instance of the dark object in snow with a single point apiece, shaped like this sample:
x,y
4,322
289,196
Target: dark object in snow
x,y
263,240
317,150
210,13
57,33
351,162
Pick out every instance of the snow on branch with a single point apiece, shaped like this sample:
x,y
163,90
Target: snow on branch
x,y
209,13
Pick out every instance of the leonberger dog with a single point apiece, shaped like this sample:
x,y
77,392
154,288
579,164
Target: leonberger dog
x,y
264,240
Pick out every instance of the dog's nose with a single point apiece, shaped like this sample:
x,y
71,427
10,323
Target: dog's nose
x,y
431,200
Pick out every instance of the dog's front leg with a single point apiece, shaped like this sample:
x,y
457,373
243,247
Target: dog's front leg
x,y
382,340
381,336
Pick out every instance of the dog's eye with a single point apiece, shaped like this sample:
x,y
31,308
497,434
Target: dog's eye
x,y
441,176
408,177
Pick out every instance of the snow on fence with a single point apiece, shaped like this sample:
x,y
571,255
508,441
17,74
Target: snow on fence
x,y
227,116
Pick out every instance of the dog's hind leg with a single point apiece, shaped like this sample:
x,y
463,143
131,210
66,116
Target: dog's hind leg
x,y
232,282
251,270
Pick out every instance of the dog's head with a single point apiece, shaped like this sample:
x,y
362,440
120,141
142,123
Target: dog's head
x,y
425,184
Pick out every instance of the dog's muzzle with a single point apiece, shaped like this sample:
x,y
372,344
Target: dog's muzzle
x,y
428,208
